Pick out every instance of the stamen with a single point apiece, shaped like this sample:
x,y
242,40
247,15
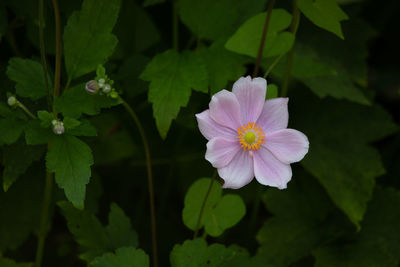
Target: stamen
x,y
251,136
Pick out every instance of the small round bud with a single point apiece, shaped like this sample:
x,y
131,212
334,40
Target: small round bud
x,y
58,128
106,88
12,101
54,122
114,94
101,82
92,87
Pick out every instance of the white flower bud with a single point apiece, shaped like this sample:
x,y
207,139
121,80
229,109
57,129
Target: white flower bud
x,y
54,122
92,87
101,82
58,128
106,88
12,101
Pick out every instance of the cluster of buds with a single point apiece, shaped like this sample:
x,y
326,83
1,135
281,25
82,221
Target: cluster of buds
x,y
102,84
58,127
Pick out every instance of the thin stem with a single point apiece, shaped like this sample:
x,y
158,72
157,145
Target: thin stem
x,y
44,220
263,37
149,177
41,40
27,111
68,83
196,232
57,74
276,61
175,25
289,62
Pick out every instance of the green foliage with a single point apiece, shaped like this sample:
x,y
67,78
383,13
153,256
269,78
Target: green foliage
x,y
212,20
70,159
326,14
172,75
94,238
4,262
218,212
272,91
247,38
340,155
88,41
10,130
123,257
45,117
28,75
35,134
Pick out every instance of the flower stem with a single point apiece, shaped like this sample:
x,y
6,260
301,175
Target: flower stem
x,y
274,63
44,219
289,62
263,37
27,111
149,177
41,41
175,25
196,232
57,74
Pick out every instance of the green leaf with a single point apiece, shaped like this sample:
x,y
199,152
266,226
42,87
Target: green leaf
x,y
16,160
88,41
76,101
94,238
222,65
123,257
20,216
299,222
70,159
4,262
28,75
172,76
219,213
326,14
46,118
247,38
339,155
222,19
197,253
35,134
10,130
70,123
378,242
85,128
272,91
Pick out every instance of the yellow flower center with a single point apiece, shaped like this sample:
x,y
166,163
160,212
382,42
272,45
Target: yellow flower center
x,y
251,136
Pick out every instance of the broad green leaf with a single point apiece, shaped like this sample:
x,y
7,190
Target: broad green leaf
x,y
88,41
70,123
85,128
326,14
76,101
247,38
299,222
10,130
28,75
123,257
94,238
4,262
20,211
219,212
377,244
272,91
35,134
222,65
45,117
212,20
340,155
16,160
196,253
172,76
70,159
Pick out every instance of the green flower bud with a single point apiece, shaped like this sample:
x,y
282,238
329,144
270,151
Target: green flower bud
x,y
12,101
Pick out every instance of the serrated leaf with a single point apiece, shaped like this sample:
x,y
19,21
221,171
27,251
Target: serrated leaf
x,y
123,257
340,156
70,123
85,128
16,160
172,76
94,238
88,41
35,134
247,38
45,117
223,16
76,101
326,14
4,262
28,75
222,65
219,212
70,159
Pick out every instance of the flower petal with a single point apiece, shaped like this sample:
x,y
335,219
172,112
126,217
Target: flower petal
x,y
210,128
287,145
251,96
225,109
269,170
220,151
238,172
275,115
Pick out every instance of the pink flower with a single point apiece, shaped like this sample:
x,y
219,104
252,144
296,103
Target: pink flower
x,y
248,136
